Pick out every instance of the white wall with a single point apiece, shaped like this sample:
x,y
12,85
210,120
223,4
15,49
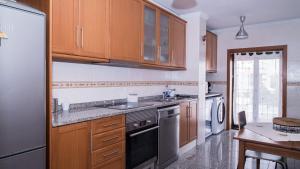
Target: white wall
x,y
267,34
95,73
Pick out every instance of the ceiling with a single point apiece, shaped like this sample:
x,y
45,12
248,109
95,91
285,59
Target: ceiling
x,y
225,13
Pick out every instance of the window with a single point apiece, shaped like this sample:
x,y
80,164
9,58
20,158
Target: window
x,y
257,88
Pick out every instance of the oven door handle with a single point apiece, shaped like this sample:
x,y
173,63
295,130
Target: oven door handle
x,y
144,131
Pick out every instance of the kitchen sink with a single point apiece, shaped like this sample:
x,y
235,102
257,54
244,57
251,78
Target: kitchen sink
x,y
177,97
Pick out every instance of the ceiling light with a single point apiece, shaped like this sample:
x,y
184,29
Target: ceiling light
x,y
184,4
242,34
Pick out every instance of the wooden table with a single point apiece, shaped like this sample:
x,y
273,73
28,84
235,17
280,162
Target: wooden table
x,y
249,140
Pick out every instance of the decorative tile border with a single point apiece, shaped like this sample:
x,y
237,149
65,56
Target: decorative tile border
x,y
100,84
297,84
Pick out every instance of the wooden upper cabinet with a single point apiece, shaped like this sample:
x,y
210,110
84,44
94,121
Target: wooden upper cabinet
x,y
150,36
125,30
211,52
164,49
65,19
179,43
93,27
80,27
71,147
193,120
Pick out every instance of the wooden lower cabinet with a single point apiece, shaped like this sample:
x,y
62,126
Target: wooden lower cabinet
x,y
184,125
188,122
193,120
71,147
108,143
97,144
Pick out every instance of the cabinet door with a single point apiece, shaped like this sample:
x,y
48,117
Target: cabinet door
x,y
179,42
184,124
71,147
94,26
193,120
164,38
211,52
150,34
64,26
214,52
125,30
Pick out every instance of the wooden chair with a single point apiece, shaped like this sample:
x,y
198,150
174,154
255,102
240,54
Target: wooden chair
x,y
242,122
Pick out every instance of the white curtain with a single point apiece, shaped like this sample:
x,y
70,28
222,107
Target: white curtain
x,y
257,86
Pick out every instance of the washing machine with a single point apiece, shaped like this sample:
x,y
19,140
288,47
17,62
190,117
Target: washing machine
x,y
218,115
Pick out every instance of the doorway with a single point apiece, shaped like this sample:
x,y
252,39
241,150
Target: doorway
x,y
256,83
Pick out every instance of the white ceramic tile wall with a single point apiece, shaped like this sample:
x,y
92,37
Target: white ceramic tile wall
x,y
267,34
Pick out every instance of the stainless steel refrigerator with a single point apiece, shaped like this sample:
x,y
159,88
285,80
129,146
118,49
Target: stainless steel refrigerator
x,y
22,87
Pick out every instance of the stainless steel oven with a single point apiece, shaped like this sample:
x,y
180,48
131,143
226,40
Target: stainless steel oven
x,y
141,139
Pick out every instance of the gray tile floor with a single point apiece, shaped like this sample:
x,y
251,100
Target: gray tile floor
x,y
220,152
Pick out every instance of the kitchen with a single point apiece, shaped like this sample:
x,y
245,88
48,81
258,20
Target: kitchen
x,y
126,83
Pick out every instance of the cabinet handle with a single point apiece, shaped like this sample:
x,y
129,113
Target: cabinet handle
x,y
111,154
187,112
142,54
159,51
112,124
77,37
82,37
109,139
91,142
172,56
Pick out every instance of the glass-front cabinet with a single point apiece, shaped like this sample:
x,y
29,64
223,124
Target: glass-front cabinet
x,y
164,38
150,39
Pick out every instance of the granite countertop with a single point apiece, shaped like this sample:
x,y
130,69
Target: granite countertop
x,y
92,113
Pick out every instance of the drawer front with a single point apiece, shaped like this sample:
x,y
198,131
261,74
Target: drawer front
x,y
108,154
108,138
108,123
117,163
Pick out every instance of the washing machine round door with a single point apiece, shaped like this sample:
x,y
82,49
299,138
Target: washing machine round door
x,y
221,112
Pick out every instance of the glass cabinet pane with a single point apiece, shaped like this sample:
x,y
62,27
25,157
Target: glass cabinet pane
x,y
149,34
164,39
